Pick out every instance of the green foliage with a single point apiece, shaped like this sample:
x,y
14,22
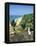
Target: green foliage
x,y
23,26
13,23
26,21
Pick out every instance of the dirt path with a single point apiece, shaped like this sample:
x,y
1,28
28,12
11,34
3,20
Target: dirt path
x,y
23,36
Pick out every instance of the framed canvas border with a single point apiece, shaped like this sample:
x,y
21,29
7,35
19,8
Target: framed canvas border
x,y
7,21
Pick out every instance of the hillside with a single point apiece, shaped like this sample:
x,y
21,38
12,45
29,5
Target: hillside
x,y
26,20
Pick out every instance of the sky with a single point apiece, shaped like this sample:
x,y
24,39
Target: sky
x,y
19,10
